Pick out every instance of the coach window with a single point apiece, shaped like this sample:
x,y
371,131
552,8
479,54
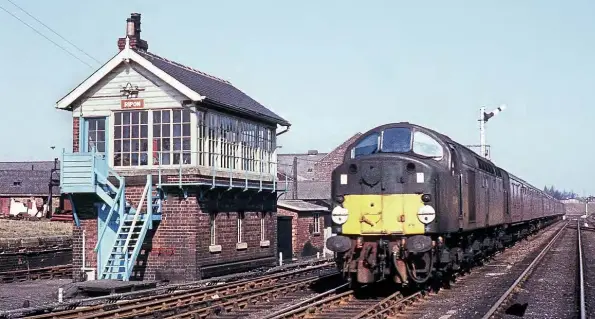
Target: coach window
x,y
367,146
425,145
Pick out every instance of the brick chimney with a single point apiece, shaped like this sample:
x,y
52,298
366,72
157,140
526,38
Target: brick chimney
x,y
133,33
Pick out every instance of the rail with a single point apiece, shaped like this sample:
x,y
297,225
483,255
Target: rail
x,y
583,312
390,306
281,312
52,309
170,300
243,298
62,271
501,301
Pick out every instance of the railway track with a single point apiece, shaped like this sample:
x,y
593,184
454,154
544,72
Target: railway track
x,y
235,306
563,297
588,244
62,271
342,302
347,304
205,299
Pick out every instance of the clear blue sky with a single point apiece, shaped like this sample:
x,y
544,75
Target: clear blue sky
x,y
333,68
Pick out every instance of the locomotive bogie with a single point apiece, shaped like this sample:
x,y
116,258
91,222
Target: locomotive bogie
x,y
411,204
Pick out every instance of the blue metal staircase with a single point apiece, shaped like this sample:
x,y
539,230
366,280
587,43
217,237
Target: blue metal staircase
x,y
116,254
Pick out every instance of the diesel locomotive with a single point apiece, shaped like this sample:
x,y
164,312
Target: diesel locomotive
x,y
411,204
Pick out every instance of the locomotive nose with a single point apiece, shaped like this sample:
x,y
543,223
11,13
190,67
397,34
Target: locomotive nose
x,y
389,195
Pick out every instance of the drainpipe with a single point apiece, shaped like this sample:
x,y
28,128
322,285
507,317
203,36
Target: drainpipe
x,y
83,267
287,129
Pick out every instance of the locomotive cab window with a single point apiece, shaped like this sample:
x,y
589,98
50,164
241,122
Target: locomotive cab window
x,y
425,145
396,140
367,146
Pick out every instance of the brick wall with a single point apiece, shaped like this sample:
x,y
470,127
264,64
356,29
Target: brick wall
x,y
294,226
75,134
32,253
226,234
304,241
178,245
4,206
170,249
323,169
90,228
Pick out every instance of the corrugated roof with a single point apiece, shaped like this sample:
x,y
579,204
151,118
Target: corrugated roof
x,y
301,206
26,183
216,90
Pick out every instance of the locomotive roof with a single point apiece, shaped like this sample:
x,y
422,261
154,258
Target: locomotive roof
x,y
446,138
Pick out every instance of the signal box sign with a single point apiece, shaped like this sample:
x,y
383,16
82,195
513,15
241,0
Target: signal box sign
x,y
132,104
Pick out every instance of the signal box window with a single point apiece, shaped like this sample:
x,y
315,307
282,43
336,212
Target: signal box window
x,y
367,146
96,134
131,143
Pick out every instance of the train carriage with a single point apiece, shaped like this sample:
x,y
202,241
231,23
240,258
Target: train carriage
x,y
411,203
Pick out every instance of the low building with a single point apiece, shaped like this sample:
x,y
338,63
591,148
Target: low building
x,y
173,171
25,189
306,224
308,199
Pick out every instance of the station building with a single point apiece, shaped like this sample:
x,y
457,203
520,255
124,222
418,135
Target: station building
x,y
172,175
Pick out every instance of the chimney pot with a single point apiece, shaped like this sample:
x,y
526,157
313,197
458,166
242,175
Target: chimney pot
x,y
129,28
133,33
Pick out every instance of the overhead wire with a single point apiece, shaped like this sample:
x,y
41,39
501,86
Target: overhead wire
x,y
44,36
56,33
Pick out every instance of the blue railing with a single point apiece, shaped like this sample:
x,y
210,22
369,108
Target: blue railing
x,y
258,174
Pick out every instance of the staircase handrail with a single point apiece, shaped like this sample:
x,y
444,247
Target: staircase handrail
x,y
135,218
148,220
109,216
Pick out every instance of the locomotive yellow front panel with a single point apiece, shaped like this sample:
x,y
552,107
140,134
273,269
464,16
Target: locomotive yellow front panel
x,y
383,214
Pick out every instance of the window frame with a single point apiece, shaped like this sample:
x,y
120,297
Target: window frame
x,y
252,145
240,220
262,227
411,133
316,223
213,229
378,144
118,123
442,148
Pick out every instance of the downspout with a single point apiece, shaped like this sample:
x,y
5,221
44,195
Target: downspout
x,y
83,268
287,129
